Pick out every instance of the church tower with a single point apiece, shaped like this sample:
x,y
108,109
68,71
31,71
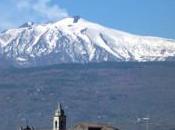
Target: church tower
x,y
59,119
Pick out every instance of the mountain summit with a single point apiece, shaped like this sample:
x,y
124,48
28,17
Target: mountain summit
x,y
75,40
27,24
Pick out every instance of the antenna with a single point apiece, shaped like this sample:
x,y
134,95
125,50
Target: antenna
x,y
27,122
147,122
144,120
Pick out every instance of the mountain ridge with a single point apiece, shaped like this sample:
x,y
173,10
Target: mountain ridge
x,y
76,40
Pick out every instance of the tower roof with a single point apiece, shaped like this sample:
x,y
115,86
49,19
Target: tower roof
x,y
59,111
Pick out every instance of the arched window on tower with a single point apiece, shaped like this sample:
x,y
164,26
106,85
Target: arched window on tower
x,y
56,124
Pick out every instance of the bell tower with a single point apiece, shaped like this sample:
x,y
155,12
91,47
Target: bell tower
x,y
59,119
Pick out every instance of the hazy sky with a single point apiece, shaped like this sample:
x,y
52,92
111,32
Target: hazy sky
x,y
145,17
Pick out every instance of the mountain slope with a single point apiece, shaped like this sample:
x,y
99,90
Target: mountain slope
x,y
75,40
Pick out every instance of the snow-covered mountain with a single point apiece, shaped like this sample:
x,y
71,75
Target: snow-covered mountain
x,y
75,40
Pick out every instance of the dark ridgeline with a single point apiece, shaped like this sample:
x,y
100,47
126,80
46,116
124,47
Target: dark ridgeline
x,y
128,90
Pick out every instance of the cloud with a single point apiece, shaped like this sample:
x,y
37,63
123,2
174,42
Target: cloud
x,y
15,12
42,8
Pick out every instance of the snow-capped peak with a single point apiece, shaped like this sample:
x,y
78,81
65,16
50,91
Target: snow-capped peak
x,y
76,40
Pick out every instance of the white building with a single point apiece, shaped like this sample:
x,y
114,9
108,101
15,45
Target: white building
x,y
59,119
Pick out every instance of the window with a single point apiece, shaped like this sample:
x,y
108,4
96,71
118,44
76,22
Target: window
x,y
56,124
94,128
